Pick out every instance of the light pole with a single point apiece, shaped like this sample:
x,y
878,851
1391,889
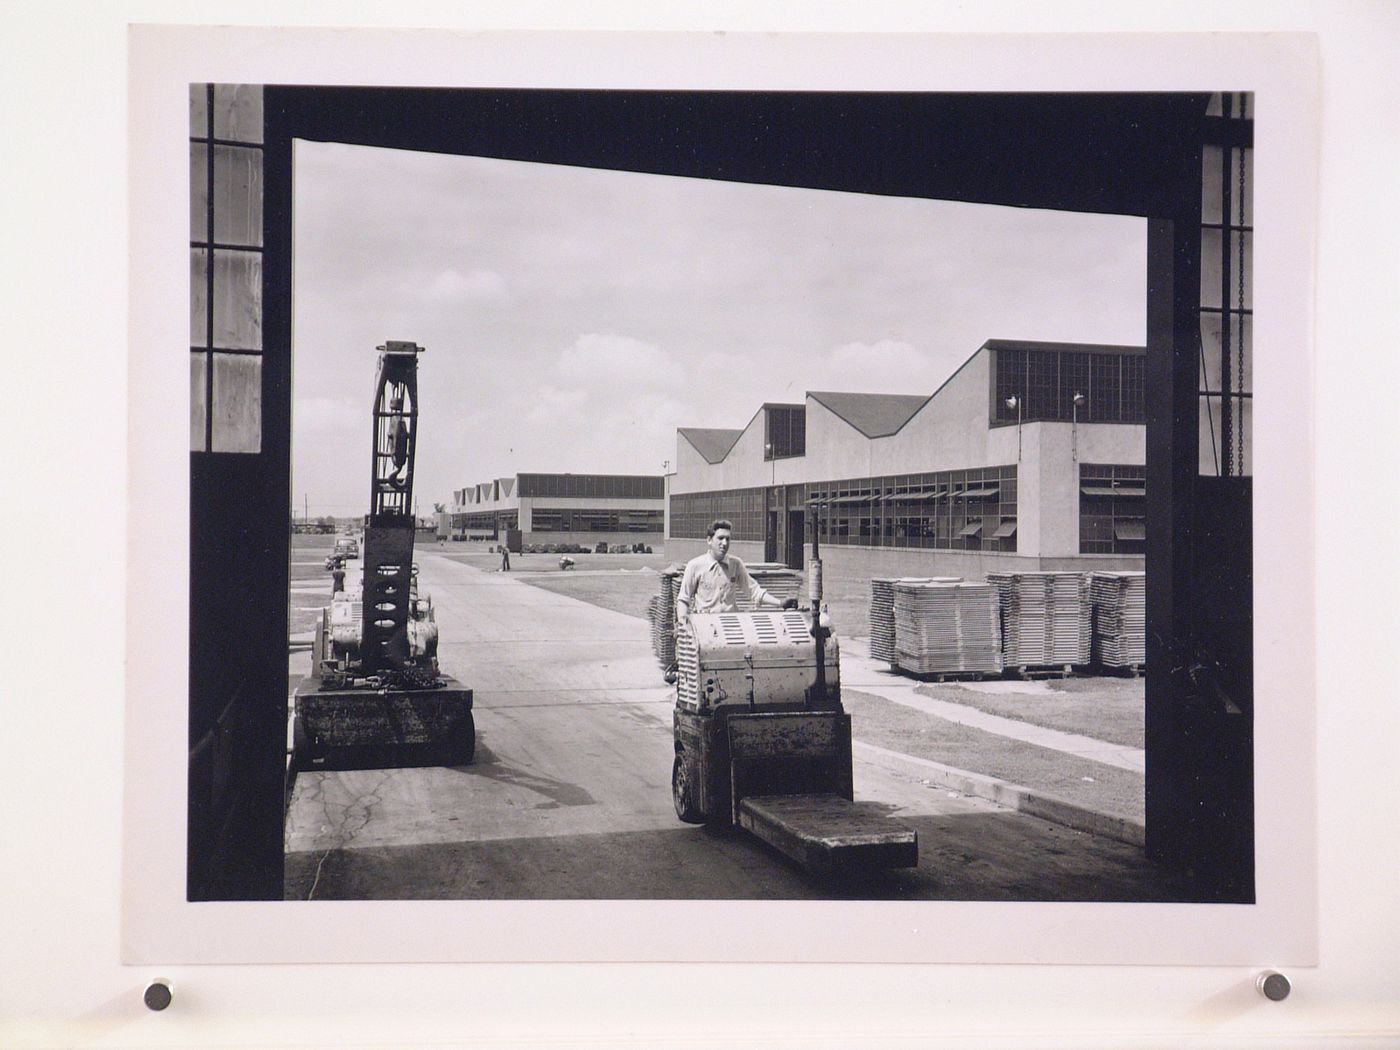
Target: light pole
x,y
1015,402
1077,401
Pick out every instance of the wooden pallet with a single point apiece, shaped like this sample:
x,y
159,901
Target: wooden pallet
x,y
1121,670
949,676
1029,672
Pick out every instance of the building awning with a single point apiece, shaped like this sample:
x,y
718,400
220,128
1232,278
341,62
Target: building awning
x,y
972,528
851,499
1122,491
1129,530
983,493
1005,529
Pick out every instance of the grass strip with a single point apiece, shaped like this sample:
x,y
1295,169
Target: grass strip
x,y
1104,708
1103,789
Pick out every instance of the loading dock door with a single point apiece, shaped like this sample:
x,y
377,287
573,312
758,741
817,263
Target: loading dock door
x,y
796,530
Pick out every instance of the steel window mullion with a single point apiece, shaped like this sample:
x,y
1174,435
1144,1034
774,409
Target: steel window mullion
x,y
226,246
209,273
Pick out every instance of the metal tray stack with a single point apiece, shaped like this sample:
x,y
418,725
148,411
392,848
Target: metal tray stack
x,y
1046,618
1120,618
661,612
687,666
779,581
882,632
947,628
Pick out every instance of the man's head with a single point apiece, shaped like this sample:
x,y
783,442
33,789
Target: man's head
x,y
717,538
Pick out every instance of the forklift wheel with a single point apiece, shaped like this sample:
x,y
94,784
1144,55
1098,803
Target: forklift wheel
x,y
304,757
683,793
464,750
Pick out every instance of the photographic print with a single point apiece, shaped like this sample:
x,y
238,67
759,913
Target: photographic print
x,y
718,517
896,351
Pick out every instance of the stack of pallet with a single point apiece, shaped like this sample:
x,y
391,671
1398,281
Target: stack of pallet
x,y
1120,618
777,580
947,628
687,666
1046,618
882,629
661,612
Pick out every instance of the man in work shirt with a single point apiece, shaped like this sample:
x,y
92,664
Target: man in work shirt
x,y
712,582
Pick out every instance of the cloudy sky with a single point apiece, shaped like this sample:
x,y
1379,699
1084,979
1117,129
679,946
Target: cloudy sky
x,y
574,318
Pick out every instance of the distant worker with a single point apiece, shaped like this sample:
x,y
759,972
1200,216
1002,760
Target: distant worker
x,y
712,582
505,558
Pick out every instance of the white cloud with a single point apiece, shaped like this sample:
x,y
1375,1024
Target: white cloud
x,y
452,286
604,359
320,416
547,400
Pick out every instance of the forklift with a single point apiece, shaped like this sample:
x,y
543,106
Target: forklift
x,y
762,742
375,697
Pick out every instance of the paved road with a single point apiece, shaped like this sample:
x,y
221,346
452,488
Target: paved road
x,y
569,796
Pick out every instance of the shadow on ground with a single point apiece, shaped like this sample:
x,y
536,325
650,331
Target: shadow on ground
x,y
998,856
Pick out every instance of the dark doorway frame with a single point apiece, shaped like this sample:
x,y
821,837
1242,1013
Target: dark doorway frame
x,y
1120,153
795,544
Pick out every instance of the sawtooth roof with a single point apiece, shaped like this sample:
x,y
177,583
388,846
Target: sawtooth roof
x,y
1088,348
711,443
874,415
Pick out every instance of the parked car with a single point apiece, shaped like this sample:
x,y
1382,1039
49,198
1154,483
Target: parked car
x,y
345,547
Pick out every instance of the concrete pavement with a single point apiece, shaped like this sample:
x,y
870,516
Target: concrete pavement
x,y
569,796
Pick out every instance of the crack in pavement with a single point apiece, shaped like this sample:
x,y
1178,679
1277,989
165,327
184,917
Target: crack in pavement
x,y
343,831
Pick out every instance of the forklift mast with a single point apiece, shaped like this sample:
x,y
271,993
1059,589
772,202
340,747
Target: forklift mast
x,y
389,531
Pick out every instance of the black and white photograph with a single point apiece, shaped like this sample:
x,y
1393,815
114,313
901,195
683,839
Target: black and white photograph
x,y
721,495
717,517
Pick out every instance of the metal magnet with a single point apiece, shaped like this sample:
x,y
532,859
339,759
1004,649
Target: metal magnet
x,y
157,995
1273,986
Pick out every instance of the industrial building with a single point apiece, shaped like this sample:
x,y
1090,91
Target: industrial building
x,y
586,509
1031,456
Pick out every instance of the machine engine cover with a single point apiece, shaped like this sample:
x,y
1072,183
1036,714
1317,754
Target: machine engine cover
x,y
347,617
747,658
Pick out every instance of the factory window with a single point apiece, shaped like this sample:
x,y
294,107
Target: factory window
x,y
572,519
476,522
226,221
692,512
1042,385
1112,509
1044,382
1008,370
592,486
785,431
950,510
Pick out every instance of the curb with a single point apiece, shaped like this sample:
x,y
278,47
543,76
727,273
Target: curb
x,y
1014,796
